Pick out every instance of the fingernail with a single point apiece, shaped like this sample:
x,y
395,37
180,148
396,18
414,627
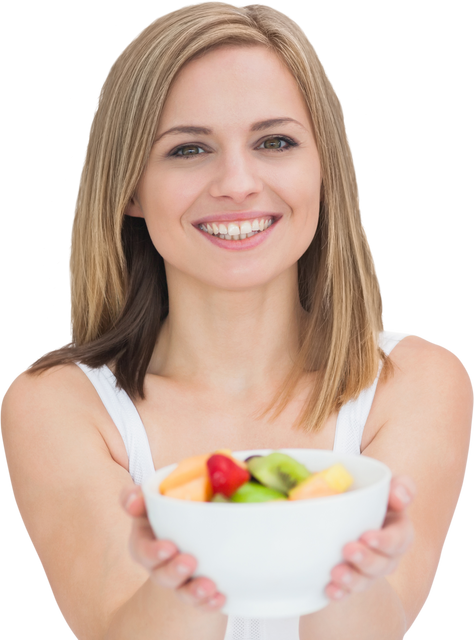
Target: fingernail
x,y
164,554
356,557
183,569
338,594
346,578
402,494
213,602
131,498
374,543
200,592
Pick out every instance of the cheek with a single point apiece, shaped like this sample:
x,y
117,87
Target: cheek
x,y
165,198
305,240
170,191
305,234
179,188
172,245
301,191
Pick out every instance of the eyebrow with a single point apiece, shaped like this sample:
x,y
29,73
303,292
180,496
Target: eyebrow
x,y
205,131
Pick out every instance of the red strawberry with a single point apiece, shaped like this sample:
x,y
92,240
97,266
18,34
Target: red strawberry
x,y
226,476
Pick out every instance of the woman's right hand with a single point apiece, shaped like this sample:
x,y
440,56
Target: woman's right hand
x,y
161,558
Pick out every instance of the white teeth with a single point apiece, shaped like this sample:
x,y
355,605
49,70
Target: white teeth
x,y
236,230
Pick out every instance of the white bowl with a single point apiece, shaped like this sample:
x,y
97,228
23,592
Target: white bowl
x,y
273,559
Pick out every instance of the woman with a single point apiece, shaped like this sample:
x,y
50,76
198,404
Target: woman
x,y
216,118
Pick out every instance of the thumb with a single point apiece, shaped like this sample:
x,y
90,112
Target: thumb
x,y
133,502
402,492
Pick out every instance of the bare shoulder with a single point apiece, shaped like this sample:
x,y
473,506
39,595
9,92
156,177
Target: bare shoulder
x,y
431,380
49,376
61,374
61,386
415,344
427,362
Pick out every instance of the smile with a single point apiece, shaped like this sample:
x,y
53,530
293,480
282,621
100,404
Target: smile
x,y
252,239
237,230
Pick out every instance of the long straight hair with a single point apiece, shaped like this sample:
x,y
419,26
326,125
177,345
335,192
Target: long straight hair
x,y
118,281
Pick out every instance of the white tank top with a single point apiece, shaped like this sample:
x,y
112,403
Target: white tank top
x,y
349,429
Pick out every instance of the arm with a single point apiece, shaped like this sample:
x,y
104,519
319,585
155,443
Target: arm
x,y
433,424
67,474
375,614
155,613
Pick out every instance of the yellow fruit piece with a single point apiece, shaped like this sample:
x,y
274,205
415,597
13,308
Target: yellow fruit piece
x,y
337,477
329,482
224,452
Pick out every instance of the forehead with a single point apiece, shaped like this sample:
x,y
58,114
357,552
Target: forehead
x,y
233,86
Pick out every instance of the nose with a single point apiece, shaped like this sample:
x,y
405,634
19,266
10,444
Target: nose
x,y
236,178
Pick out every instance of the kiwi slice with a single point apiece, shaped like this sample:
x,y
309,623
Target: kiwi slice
x,y
219,497
278,471
254,456
254,492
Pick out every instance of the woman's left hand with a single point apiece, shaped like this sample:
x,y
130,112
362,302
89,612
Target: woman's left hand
x,y
376,553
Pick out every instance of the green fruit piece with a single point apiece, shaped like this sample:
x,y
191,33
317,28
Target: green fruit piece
x,y
278,471
254,492
219,497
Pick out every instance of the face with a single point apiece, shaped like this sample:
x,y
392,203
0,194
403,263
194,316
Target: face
x,y
231,190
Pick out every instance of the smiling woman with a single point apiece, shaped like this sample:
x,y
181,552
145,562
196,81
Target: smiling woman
x,y
224,296
189,94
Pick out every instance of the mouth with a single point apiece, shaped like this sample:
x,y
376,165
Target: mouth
x,y
247,243
236,230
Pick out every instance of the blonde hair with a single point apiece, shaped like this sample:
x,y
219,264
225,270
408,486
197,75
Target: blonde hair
x,y
119,295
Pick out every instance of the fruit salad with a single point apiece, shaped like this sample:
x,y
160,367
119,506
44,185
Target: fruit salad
x,y
219,477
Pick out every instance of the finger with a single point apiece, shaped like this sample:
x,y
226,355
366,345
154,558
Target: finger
x,y
377,552
161,557
133,502
148,550
402,492
199,592
142,539
203,594
397,532
353,580
216,602
176,572
336,592
370,565
144,547
394,538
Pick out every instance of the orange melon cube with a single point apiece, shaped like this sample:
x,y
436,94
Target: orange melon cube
x,y
191,468
198,490
313,487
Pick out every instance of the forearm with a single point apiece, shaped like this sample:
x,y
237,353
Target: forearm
x,y
155,613
371,615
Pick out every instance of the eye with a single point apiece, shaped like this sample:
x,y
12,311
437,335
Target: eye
x,y
289,144
187,151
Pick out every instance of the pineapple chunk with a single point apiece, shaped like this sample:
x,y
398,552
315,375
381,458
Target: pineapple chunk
x,y
337,478
329,482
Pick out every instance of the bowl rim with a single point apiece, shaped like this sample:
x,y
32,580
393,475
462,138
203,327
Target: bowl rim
x,y
150,491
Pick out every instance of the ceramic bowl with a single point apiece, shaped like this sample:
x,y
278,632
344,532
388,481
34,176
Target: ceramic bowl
x,y
273,559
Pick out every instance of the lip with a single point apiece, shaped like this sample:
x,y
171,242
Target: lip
x,y
241,245
238,216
